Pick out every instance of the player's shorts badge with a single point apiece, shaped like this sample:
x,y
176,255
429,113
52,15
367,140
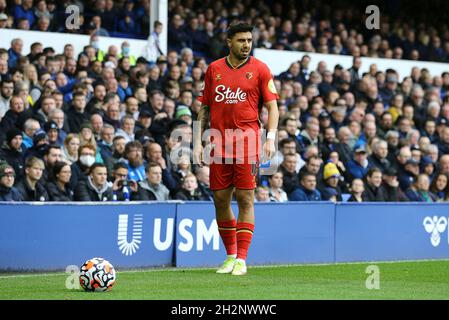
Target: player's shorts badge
x,y
249,75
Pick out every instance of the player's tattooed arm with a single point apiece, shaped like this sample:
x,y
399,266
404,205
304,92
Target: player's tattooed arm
x,y
199,128
203,118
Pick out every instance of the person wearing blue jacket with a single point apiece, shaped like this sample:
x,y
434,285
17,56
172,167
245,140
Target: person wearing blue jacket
x,y
359,165
307,190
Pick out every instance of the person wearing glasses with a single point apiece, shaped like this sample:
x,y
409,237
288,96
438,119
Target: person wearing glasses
x,y
7,178
120,178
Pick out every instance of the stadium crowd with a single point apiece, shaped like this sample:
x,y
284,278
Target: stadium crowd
x,y
312,26
98,126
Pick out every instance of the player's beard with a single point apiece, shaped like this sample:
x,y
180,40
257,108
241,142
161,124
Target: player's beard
x,y
241,55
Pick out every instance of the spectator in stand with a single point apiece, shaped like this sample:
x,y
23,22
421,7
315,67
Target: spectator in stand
x,y
106,141
58,186
313,165
127,128
262,194
95,27
288,169
275,188
6,91
357,191
58,116
152,51
202,176
154,154
379,157
11,150
287,145
118,152
444,164
11,118
128,25
120,178
135,161
40,145
411,172
52,130
359,165
428,167
30,127
419,190
70,148
440,187
307,191
7,179
96,121
177,38
391,185
3,21
181,168
29,186
189,189
152,187
77,114
443,145
330,187
81,168
87,137
25,11
374,192
96,186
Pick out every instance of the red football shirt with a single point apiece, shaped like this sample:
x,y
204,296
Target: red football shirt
x,y
234,96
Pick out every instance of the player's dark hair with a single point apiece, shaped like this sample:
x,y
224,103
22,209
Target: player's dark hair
x,y
239,27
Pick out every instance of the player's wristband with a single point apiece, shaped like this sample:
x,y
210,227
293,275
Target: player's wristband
x,y
271,135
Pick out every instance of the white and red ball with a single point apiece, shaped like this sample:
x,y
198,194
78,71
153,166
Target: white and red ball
x,y
97,274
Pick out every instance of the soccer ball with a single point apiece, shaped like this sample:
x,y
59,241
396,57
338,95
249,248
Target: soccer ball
x,y
97,274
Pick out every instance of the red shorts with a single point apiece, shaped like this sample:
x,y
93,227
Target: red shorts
x,y
241,176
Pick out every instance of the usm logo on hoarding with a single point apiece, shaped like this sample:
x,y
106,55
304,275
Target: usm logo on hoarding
x,y
193,234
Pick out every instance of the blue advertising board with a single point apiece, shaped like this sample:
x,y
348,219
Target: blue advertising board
x,y
47,237
149,234
301,232
391,231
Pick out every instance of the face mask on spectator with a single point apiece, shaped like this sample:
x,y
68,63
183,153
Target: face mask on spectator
x,y
87,160
125,51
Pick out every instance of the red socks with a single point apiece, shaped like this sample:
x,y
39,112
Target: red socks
x,y
227,233
236,237
244,236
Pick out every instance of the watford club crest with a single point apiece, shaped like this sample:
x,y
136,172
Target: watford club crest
x,y
218,77
249,75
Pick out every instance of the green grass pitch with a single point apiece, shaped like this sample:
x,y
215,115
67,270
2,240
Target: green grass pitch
x,y
398,280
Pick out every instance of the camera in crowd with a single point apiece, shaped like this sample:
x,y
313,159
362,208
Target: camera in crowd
x,y
126,183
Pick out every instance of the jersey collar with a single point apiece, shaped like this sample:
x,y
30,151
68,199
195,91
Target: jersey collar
x,y
239,66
